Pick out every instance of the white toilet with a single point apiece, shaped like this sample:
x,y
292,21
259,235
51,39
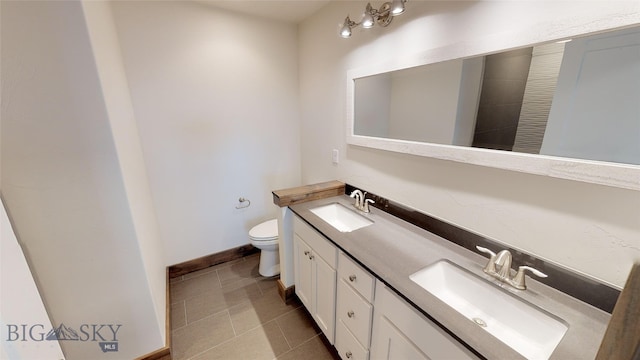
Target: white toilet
x,y
264,236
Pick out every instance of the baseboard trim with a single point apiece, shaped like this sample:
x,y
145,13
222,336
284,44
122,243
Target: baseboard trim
x,y
160,354
210,260
167,314
286,293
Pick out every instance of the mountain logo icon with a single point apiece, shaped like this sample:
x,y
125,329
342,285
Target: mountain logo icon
x,y
62,333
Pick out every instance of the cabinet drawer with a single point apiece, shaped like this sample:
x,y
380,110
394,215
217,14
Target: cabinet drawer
x,y
354,312
348,347
320,245
361,280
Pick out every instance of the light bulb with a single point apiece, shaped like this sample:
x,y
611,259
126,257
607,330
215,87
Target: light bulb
x,y
397,7
345,31
367,18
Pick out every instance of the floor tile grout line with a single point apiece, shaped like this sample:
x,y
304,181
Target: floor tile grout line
x,y
283,334
257,327
202,318
290,311
192,296
218,277
251,329
235,333
200,272
215,346
224,287
242,302
184,306
262,292
235,337
304,342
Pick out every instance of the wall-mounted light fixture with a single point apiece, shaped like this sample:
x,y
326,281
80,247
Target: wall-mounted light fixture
x,y
371,16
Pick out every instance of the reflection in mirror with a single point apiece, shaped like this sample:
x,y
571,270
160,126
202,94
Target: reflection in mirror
x,y
579,99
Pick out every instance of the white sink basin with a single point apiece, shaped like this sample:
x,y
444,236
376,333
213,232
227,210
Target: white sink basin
x,y
525,328
341,217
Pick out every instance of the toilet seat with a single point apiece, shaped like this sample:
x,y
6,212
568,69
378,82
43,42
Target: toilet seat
x,y
266,231
264,236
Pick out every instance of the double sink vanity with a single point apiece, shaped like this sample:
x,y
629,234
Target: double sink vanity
x,y
380,287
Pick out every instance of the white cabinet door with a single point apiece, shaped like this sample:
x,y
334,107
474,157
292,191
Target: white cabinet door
x,y
391,343
401,332
303,272
315,277
324,297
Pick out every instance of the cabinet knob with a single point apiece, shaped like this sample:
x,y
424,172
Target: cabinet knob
x,y
348,354
311,257
350,313
306,252
352,278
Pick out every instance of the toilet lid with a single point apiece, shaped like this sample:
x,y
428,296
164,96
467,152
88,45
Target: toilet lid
x,y
267,230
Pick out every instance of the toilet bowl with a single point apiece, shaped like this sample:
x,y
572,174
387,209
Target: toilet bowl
x,y
264,236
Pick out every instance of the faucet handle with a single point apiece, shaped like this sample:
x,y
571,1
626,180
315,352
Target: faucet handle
x,y
366,204
485,250
490,268
518,280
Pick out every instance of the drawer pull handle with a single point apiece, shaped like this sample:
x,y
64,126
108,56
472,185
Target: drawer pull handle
x,y
350,313
352,278
348,354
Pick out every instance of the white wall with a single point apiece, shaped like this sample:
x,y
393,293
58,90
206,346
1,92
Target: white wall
x,y
115,90
589,228
20,302
62,181
215,97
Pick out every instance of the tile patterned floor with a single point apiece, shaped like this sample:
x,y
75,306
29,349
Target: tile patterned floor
x,y
229,311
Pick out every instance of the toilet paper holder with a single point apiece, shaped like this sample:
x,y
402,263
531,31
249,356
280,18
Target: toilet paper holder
x,y
242,201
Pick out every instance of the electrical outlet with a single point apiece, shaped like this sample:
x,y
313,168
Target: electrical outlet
x,y
335,156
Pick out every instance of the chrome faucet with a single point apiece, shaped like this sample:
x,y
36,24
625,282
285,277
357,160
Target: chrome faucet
x,y
361,203
358,195
499,266
503,264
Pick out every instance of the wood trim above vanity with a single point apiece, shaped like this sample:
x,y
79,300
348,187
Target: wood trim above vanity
x,y
296,195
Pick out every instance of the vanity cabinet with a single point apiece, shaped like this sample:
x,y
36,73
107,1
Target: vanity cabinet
x,y
315,262
354,309
401,332
359,314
